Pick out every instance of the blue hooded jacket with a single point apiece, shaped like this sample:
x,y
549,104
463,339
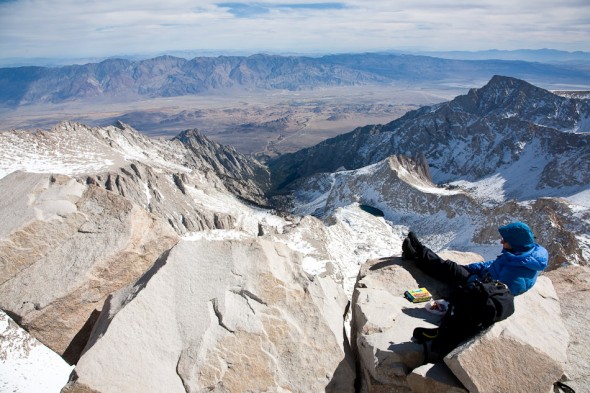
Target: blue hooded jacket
x,y
518,271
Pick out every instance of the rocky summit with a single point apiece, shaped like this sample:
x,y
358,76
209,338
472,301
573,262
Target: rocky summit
x,y
149,263
520,354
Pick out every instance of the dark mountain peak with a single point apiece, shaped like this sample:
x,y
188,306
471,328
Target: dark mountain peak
x,y
197,141
121,125
500,94
502,87
505,81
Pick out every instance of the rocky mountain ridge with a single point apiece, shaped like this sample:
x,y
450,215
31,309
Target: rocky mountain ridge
x,y
508,128
168,76
159,175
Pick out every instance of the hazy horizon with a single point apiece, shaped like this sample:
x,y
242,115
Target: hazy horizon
x,y
523,54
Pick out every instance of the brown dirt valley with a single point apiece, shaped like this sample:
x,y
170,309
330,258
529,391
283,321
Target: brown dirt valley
x,y
266,123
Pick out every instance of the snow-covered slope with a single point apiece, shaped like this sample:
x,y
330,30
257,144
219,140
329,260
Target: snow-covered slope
x,y
75,149
445,217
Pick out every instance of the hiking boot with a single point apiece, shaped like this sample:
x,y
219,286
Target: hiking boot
x,y
430,355
421,335
415,243
408,252
412,248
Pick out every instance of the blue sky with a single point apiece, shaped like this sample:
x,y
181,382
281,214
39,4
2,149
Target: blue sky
x,y
103,28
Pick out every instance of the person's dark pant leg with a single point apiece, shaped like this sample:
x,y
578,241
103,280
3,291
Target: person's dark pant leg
x,y
444,270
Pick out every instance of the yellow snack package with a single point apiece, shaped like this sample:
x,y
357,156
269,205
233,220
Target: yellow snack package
x,y
418,295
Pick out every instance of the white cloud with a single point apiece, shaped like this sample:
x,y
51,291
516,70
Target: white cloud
x,y
73,28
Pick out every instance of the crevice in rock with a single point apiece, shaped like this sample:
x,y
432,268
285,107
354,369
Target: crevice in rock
x,y
215,304
136,170
179,183
119,182
358,381
249,295
75,348
245,293
180,376
172,224
109,184
126,172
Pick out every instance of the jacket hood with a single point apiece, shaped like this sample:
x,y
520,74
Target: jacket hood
x,y
535,259
518,235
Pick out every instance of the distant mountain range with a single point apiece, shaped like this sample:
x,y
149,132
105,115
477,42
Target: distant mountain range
x,y
169,76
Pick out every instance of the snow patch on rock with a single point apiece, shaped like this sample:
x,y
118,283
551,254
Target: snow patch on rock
x,y
26,365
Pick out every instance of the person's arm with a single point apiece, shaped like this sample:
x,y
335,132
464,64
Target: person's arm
x,y
478,268
515,283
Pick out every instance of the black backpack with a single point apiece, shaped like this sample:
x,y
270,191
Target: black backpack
x,y
475,306
482,302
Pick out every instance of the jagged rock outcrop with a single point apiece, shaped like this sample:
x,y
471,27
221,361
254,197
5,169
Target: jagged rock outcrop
x,y
572,284
64,247
180,198
221,316
526,352
217,166
241,174
507,126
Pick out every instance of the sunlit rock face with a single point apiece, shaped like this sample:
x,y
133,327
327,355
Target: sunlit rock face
x,y
65,247
223,316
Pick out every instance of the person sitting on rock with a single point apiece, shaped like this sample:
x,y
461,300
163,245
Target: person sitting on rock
x,y
483,291
517,266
